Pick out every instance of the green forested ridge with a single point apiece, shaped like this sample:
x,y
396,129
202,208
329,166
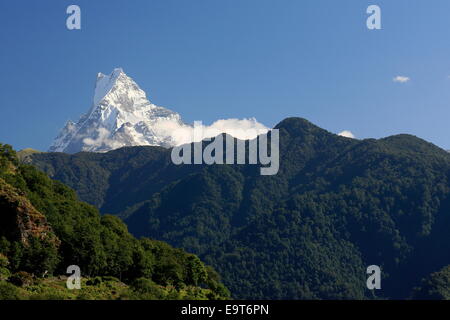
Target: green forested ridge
x,y
44,229
435,286
336,206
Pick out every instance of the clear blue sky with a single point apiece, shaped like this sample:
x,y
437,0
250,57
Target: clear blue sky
x,y
211,59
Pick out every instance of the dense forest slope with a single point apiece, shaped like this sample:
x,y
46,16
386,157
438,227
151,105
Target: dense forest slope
x,y
336,206
44,229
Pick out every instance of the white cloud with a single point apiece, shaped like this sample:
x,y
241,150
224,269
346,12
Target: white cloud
x,y
176,133
103,139
401,79
347,134
242,129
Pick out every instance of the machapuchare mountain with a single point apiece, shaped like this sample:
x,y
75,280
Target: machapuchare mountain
x,y
121,115
336,206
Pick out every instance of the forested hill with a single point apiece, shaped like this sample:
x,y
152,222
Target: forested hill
x,y
336,206
44,229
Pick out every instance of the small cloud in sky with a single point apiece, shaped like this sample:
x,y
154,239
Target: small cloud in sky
x,y
347,134
401,79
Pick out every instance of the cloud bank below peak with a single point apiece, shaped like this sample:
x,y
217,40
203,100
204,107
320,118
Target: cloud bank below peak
x,y
180,133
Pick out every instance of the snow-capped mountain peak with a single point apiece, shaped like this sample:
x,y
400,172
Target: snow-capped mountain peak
x,y
121,115
105,83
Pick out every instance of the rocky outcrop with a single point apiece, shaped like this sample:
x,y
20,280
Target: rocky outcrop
x,y
19,219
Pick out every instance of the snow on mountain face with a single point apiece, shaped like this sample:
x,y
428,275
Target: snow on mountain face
x,y
121,115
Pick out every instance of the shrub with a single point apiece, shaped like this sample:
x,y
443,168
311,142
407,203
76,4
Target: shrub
x,y
4,272
3,261
110,278
21,279
8,291
147,289
94,281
